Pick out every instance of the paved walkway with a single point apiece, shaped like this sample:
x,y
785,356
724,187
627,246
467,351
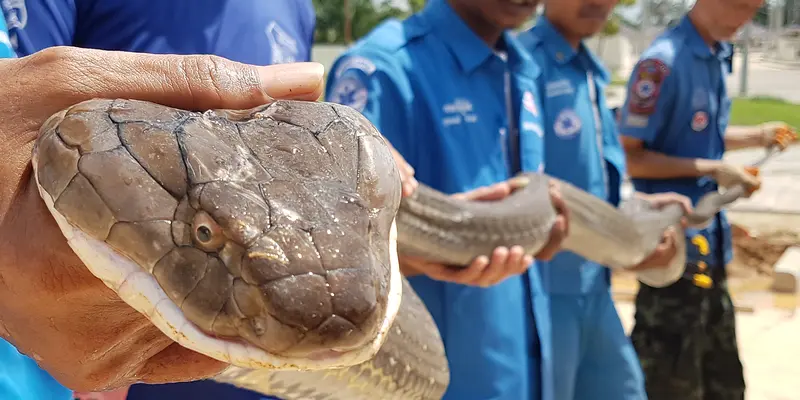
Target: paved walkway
x,y
768,335
769,351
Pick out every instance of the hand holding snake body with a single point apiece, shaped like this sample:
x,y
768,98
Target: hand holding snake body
x,y
504,262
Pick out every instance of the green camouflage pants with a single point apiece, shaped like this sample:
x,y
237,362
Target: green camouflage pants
x,y
685,337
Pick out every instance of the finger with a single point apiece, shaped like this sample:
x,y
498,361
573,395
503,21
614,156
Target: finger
x,y
518,182
561,208
409,183
686,203
466,276
557,234
488,193
196,82
497,268
516,260
176,363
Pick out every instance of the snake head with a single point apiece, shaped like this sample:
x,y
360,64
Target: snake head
x,y
258,237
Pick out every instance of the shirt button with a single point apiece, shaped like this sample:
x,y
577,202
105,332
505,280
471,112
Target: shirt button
x,y
560,56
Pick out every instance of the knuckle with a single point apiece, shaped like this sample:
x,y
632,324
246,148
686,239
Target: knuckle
x,y
212,76
52,55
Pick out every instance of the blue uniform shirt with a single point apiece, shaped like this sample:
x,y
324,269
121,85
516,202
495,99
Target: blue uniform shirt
x,y
453,108
581,143
677,104
249,31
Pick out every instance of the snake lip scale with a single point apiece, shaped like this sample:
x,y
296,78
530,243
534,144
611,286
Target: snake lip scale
x,y
268,238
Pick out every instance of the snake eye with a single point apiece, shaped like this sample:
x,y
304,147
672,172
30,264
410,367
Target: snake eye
x,y
203,234
207,234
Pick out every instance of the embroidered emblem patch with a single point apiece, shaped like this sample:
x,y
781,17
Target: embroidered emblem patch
x,y
351,92
567,124
362,64
646,86
699,121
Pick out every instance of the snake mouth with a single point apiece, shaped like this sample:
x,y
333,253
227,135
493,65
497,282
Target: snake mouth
x,y
139,289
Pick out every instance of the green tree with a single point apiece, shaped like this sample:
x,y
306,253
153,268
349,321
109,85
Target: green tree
x,y
416,5
365,15
662,12
612,26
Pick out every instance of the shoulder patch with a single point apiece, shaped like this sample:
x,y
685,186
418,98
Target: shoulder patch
x,y
350,91
360,63
646,86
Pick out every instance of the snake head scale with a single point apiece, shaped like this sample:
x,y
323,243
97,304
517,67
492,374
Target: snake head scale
x,y
261,237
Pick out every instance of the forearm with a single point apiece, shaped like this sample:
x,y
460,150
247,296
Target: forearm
x,y
742,137
652,165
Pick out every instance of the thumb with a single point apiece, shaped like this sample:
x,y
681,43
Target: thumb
x,y
496,191
58,77
195,82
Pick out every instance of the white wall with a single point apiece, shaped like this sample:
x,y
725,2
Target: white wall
x,y
788,49
326,54
615,51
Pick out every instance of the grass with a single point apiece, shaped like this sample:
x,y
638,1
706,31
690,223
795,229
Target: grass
x,y
617,80
756,110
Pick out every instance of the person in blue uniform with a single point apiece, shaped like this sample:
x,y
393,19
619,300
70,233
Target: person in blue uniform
x,y
453,91
592,356
675,131
247,31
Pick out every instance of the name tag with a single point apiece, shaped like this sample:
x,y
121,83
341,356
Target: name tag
x,y
561,87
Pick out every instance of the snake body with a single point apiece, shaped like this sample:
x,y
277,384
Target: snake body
x,y
267,238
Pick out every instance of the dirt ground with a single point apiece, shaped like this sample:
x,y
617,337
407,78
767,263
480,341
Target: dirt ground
x,y
749,274
756,254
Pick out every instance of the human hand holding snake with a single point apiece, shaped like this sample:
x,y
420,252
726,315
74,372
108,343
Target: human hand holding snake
x,y
504,262
51,307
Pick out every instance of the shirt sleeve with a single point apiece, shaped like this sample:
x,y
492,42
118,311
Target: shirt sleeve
x,y
6,51
34,25
378,90
310,26
650,94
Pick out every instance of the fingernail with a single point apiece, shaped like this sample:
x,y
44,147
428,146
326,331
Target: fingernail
x,y
287,81
520,181
527,260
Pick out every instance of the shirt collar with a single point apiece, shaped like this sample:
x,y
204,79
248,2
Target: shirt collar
x,y
469,50
722,50
562,52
